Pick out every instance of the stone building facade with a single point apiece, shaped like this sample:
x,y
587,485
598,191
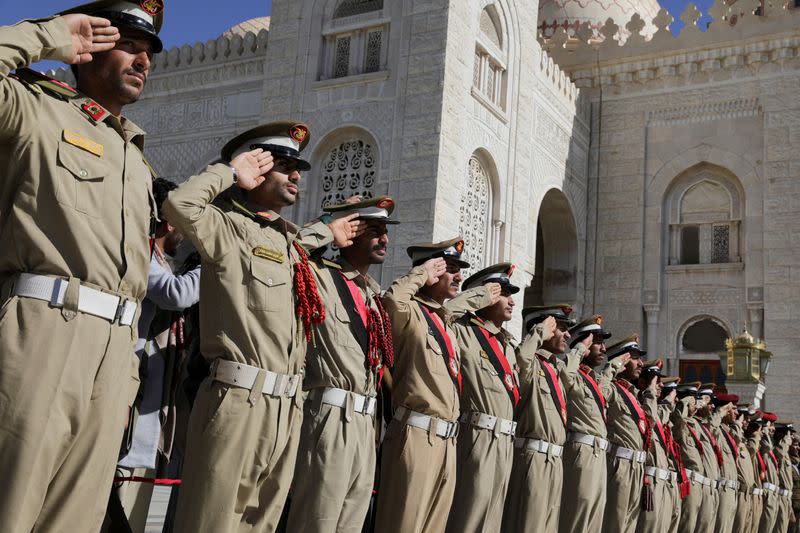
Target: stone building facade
x,y
655,182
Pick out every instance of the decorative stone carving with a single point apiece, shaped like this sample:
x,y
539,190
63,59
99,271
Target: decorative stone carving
x,y
348,169
474,215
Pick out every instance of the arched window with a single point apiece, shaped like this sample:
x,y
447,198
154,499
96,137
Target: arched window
x,y
705,336
475,215
705,208
348,169
489,75
355,39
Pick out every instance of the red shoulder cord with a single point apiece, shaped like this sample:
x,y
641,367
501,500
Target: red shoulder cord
x,y
309,307
381,350
762,466
675,449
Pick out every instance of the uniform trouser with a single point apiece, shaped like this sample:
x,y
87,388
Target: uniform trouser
x,y
335,470
534,492
707,516
624,495
418,480
239,462
690,508
727,511
784,512
769,513
758,511
675,504
135,499
65,385
743,518
657,520
584,501
483,469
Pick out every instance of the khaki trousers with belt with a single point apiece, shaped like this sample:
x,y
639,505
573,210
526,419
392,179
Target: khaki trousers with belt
x,y
784,512
690,508
240,459
769,512
66,381
335,470
743,518
483,469
657,520
534,493
624,501
707,514
675,504
418,480
583,503
727,510
758,510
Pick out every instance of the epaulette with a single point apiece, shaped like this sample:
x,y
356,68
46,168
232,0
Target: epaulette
x,y
48,85
331,264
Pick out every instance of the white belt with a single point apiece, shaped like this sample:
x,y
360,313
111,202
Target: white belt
x,y
90,301
541,446
654,472
630,455
756,491
674,476
444,429
484,421
364,405
588,440
784,492
695,476
727,483
770,487
244,376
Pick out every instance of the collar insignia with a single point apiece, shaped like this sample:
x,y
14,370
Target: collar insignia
x,y
94,110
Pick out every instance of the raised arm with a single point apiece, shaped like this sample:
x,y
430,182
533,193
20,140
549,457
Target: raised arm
x,y
171,292
470,300
398,298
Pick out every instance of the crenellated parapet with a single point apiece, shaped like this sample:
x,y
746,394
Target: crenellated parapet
x,y
740,35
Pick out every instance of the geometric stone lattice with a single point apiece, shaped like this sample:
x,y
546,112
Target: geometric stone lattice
x,y
372,63
721,246
341,64
349,169
348,8
474,214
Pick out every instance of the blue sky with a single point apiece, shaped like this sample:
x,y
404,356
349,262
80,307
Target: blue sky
x,y
189,21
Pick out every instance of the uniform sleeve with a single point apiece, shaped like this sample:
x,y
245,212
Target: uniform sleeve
x,y
171,292
470,300
314,235
189,209
569,371
22,45
679,427
526,355
398,298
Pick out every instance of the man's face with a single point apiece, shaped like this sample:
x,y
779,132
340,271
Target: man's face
x,y
729,413
281,185
172,240
659,388
502,310
671,397
692,405
559,341
633,368
597,352
118,77
369,247
449,282
707,407
794,449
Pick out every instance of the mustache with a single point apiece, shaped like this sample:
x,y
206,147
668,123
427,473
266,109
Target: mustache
x,y
378,247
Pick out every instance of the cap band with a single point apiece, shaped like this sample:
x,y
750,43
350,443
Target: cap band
x,y
372,212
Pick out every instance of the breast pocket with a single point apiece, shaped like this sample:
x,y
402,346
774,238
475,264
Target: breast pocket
x,y
344,332
544,394
435,358
267,290
489,376
80,183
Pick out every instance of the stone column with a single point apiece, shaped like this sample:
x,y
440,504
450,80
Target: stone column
x,y
756,326
651,313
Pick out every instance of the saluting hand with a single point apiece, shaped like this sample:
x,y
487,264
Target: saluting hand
x,y
252,167
588,340
346,229
435,268
494,291
550,325
89,36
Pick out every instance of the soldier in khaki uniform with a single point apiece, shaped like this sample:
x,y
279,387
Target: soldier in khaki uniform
x,y
627,431
335,469
418,462
584,499
244,427
770,480
753,435
712,459
728,483
534,495
657,505
783,438
75,208
485,447
749,487
678,485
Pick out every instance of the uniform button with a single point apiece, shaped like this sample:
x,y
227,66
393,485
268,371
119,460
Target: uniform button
x,y
83,173
269,282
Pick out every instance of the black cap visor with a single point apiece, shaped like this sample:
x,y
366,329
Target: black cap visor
x,y
132,22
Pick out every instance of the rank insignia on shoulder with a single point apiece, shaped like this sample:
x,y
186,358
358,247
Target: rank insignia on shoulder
x,y
268,253
82,142
94,110
332,264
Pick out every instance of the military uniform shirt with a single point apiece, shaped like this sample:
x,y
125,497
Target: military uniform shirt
x,y
336,358
583,413
745,466
537,414
657,453
728,469
684,428
75,196
422,381
710,462
623,428
246,277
